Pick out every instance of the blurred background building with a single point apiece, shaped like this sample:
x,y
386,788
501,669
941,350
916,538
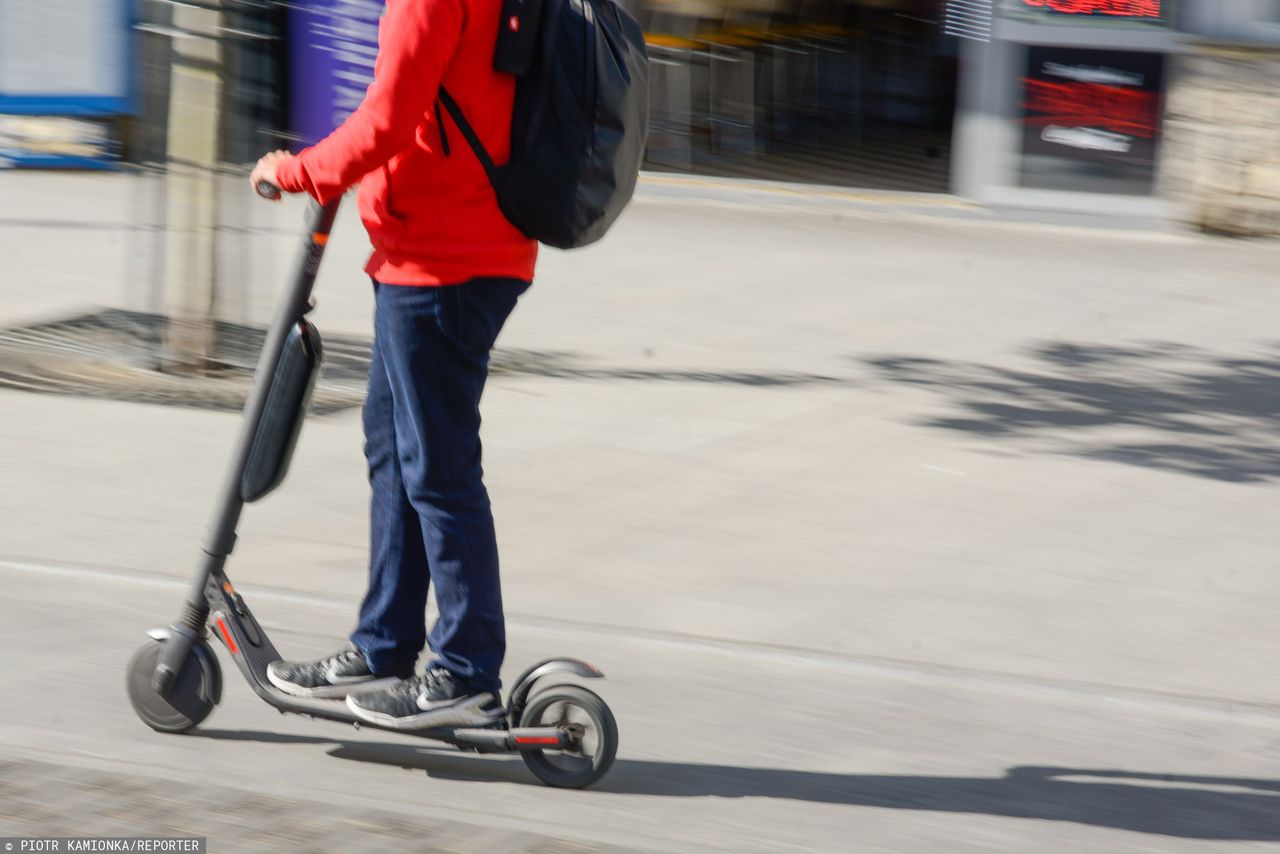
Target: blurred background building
x,y
1157,108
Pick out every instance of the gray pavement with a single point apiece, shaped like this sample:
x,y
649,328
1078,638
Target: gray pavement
x,y
896,528
74,802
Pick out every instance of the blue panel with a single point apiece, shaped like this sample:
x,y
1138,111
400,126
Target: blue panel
x,y
24,159
63,105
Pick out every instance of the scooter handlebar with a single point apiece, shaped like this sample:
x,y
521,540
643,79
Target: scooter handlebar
x,y
268,190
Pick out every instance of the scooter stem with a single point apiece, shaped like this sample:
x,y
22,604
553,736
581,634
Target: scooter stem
x,y
294,304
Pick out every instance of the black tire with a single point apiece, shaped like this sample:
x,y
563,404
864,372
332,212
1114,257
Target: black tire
x,y
196,690
570,704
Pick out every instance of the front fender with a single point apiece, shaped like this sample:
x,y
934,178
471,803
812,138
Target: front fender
x,y
204,654
524,685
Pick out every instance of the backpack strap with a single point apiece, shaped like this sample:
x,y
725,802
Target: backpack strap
x,y
469,134
444,137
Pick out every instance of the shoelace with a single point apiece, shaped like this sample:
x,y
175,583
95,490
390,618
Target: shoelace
x,y
415,685
428,680
418,685
334,660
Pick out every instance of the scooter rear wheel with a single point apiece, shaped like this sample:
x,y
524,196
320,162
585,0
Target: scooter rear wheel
x,y
195,692
590,719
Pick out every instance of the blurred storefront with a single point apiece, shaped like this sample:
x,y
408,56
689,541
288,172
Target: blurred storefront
x,y
1154,108
1063,106
1158,108
1167,109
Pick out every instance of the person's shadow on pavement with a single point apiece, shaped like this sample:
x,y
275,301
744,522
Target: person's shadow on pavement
x,y
1166,804
1192,807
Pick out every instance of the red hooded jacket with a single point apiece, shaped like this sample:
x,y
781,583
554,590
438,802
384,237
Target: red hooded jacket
x,y
432,217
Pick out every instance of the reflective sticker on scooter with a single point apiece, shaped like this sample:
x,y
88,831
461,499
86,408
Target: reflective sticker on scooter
x,y
226,636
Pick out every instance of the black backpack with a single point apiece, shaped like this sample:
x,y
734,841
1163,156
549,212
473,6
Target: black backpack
x,y
579,124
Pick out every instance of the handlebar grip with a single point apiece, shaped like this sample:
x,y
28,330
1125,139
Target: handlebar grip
x,y
268,190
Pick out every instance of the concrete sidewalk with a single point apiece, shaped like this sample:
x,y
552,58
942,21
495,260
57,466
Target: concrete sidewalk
x,y
948,448
724,748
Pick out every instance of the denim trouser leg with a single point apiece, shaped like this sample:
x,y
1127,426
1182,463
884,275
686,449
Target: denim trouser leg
x,y
430,516
391,630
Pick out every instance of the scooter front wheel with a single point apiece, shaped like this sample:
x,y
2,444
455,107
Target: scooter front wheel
x,y
595,734
194,693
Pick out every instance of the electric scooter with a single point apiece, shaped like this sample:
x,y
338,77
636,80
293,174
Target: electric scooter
x,y
565,733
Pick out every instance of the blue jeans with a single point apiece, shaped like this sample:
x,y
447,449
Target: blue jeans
x,y
430,517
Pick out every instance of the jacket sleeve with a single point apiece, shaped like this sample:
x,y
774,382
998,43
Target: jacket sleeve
x,y
416,42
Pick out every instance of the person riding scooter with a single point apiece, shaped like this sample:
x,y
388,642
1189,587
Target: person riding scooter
x,y
447,270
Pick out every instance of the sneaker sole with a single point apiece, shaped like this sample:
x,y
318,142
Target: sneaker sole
x,y
330,692
465,714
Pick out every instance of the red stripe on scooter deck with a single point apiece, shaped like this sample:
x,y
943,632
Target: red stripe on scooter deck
x,y
226,636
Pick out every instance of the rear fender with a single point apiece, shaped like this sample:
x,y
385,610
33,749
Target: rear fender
x,y
524,685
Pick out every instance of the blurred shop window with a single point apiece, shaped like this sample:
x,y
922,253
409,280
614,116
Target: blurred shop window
x,y
849,92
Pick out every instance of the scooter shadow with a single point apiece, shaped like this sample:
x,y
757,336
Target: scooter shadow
x,y
1174,805
438,760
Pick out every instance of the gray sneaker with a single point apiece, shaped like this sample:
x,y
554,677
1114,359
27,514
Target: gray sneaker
x,y
332,677
434,699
